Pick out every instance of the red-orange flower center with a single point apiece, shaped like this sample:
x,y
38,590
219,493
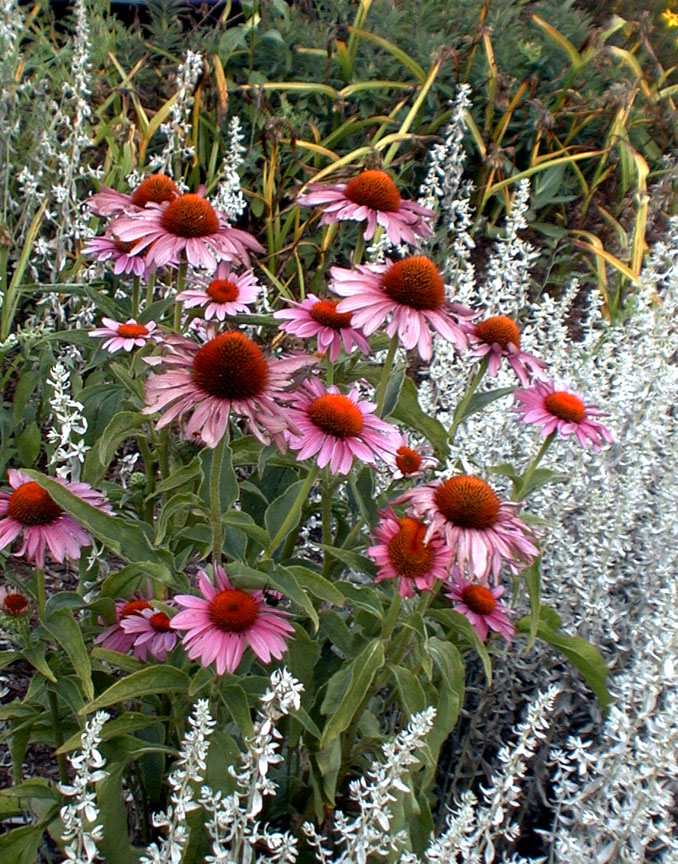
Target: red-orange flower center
x,y
190,216
132,331
565,406
467,502
407,552
336,415
407,460
223,291
231,366
15,604
374,189
31,505
499,329
233,611
325,313
155,189
479,599
160,622
415,282
124,246
133,608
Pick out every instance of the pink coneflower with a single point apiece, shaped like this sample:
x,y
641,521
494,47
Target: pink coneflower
x,y
411,291
481,530
110,248
229,373
401,553
189,226
225,619
30,511
155,189
338,428
562,412
319,318
224,294
124,336
114,637
151,632
410,462
371,197
480,605
13,603
499,337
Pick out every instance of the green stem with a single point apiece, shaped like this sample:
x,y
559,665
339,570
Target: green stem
x,y
178,308
293,515
386,374
521,492
135,297
463,405
40,594
215,497
392,614
150,286
329,367
146,455
327,521
359,249
58,735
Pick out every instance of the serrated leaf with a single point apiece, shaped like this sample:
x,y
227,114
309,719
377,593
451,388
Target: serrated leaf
x,y
124,425
149,681
580,652
363,669
125,538
66,630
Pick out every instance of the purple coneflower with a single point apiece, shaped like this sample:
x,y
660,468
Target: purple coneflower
x,y
123,336
499,337
480,604
224,294
318,318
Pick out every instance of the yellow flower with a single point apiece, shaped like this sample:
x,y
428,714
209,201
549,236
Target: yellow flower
x,y
671,18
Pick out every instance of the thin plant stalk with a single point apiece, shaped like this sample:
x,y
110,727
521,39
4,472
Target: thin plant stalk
x,y
463,405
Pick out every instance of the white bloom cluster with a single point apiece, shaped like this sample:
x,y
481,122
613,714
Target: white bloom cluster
x,y
188,769
68,427
233,824
370,832
11,25
177,131
228,196
80,815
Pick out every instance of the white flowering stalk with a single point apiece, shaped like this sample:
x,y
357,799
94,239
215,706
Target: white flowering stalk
x,y
233,824
79,816
370,832
178,131
228,196
188,769
68,426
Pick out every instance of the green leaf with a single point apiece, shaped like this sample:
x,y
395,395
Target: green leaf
x,y
284,580
185,476
35,654
363,669
412,696
278,510
243,522
578,651
228,484
362,487
123,425
235,699
7,657
246,450
126,539
363,596
128,722
352,559
26,384
21,845
66,630
317,585
145,682
28,444
462,625
329,763
338,632
409,412
481,400
540,477
113,845
114,658
393,388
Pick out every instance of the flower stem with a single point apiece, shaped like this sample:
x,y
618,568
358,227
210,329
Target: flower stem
x,y
135,297
58,735
521,492
460,410
215,497
386,373
327,489
181,278
295,509
359,249
40,593
150,287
